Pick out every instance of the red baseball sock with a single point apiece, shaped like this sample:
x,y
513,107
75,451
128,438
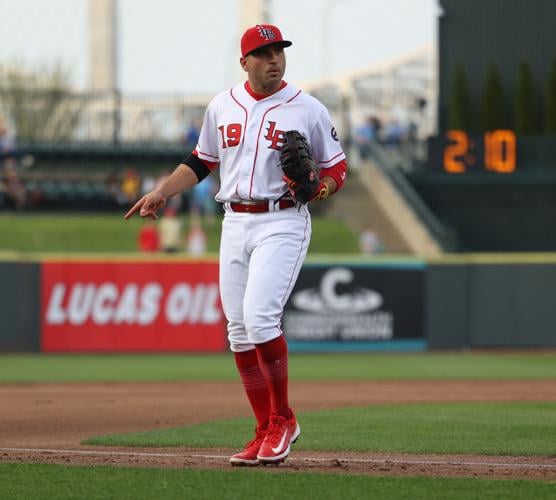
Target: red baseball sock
x,y
273,360
255,385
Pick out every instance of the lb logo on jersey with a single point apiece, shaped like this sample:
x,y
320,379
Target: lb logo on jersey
x,y
334,134
266,33
275,136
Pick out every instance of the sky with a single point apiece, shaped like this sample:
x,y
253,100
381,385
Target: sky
x,y
192,46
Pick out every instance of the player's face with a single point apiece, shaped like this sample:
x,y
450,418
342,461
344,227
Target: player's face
x,y
265,68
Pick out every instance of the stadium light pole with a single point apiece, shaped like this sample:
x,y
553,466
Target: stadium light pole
x,y
104,60
327,12
116,79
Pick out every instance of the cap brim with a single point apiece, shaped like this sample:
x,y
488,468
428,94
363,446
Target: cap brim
x,y
281,43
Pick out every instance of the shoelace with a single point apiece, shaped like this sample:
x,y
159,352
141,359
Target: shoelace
x,y
275,428
259,438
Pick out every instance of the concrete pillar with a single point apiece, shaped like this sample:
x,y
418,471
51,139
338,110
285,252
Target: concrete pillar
x,y
103,61
252,12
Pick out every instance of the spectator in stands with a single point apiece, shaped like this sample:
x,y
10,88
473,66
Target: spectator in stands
x,y
148,184
369,243
113,188
14,186
394,133
202,202
412,132
11,183
365,135
149,240
7,143
131,186
191,135
170,231
377,125
196,237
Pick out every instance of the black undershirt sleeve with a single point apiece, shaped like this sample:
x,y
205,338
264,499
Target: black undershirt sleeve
x,y
200,169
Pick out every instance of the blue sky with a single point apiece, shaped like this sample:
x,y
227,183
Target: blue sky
x,y
191,46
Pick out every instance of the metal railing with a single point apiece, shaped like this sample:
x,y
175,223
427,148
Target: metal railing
x,y
54,115
445,236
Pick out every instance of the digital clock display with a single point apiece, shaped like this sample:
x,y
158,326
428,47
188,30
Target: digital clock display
x,y
460,153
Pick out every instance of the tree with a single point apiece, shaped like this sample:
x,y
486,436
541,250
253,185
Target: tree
x,y
525,102
40,104
550,112
459,117
493,114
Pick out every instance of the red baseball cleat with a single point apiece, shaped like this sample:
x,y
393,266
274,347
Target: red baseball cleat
x,y
281,433
249,454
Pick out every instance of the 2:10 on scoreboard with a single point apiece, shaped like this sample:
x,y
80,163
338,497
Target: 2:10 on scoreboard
x,y
494,151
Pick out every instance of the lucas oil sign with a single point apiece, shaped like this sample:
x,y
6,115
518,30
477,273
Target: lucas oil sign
x,y
133,306
356,304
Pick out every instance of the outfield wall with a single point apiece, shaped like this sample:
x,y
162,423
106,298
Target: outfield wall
x,y
19,306
491,301
135,304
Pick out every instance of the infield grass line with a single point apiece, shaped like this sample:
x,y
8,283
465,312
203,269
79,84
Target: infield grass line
x,y
478,428
290,459
21,368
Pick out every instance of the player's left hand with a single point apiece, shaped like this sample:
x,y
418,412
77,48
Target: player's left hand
x,y
321,192
301,174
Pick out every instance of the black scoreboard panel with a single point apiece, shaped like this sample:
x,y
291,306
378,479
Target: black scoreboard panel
x,y
477,33
496,189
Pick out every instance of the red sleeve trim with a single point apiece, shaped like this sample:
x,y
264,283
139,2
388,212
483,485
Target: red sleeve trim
x,y
334,157
338,172
211,165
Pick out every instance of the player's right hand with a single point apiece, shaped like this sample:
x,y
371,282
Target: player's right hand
x,y
148,205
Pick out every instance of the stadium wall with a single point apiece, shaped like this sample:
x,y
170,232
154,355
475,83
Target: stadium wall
x,y
496,301
19,306
172,305
494,213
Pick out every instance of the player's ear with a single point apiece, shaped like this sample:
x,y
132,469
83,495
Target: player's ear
x,y
243,63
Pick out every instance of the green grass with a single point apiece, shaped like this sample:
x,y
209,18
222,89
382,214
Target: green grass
x,y
110,233
69,233
24,481
371,366
522,428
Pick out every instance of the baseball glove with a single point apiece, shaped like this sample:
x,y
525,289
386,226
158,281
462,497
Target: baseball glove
x,y
301,174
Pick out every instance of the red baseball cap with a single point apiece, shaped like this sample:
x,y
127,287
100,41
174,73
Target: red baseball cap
x,y
261,35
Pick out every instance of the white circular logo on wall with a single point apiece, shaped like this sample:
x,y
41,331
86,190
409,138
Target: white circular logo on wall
x,y
326,298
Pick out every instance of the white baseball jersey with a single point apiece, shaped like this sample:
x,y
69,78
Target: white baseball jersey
x,y
258,264
245,136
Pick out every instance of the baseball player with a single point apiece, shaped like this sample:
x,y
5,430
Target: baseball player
x,y
248,132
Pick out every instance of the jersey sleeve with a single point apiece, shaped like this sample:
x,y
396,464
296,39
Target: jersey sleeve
x,y
207,147
325,146
338,172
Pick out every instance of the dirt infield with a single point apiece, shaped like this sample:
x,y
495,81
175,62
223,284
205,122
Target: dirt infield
x,y
45,423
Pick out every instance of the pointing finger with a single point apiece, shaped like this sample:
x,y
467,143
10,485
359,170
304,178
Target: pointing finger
x,y
133,210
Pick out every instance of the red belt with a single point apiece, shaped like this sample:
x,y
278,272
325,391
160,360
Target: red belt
x,y
257,207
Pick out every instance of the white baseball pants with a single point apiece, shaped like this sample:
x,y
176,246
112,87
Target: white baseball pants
x,y
260,259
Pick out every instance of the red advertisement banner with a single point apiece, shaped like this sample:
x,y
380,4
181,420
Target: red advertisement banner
x,y
131,307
